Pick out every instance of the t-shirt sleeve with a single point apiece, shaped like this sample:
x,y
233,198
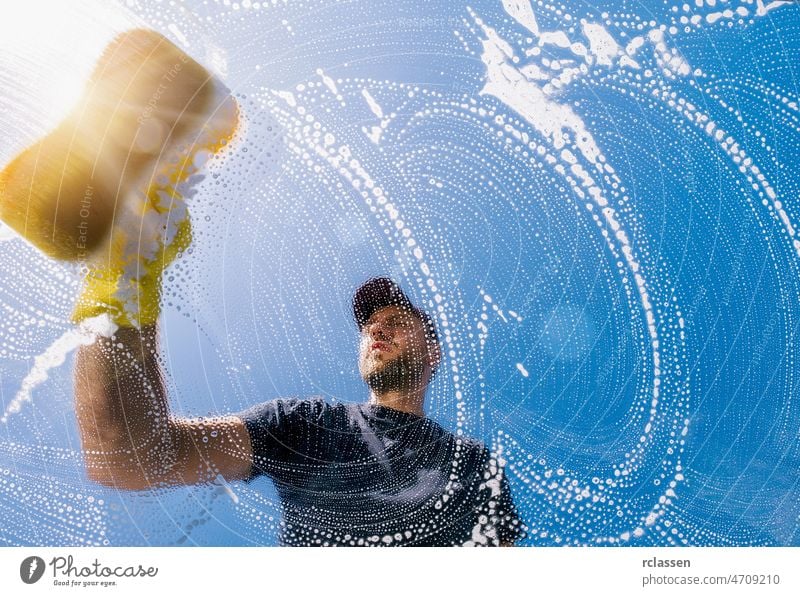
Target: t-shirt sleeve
x,y
280,432
497,512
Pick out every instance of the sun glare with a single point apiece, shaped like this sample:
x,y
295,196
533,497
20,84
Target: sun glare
x,y
47,51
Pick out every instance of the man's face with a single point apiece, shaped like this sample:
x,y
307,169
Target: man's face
x,y
394,353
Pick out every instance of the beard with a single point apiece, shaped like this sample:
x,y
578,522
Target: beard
x,y
401,374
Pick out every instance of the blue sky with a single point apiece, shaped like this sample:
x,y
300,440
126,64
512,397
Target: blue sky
x,y
602,204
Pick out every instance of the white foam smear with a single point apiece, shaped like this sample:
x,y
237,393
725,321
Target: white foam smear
x,y
373,105
55,355
6,233
763,9
522,11
374,132
329,83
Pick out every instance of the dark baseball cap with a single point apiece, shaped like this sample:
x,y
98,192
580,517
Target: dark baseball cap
x,y
378,292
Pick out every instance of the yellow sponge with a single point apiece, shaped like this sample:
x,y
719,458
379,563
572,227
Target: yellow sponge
x,y
147,109
108,185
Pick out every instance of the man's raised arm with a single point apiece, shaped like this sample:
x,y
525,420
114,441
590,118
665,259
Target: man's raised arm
x,y
129,438
108,187
130,441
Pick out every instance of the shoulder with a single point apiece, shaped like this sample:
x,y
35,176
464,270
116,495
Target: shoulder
x,y
472,452
469,446
284,409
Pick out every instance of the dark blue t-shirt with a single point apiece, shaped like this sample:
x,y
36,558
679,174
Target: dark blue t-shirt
x,y
363,474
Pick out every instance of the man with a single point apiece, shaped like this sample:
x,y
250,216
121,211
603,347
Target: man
x,y
381,472
377,473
